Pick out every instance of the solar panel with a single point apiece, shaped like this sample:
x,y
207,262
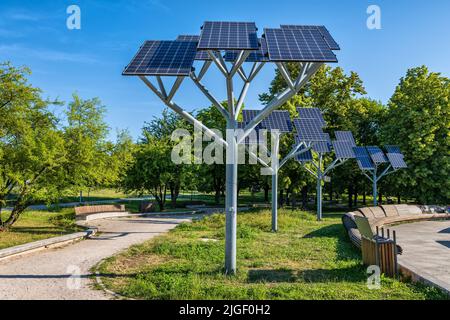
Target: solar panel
x,y
248,115
345,136
311,113
297,45
323,146
253,138
397,161
259,55
201,55
165,58
332,44
309,129
305,156
363,158
376,154
393,149
343,150
228,36
279,119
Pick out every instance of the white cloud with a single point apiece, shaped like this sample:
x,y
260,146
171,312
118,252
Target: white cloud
x,y
46,54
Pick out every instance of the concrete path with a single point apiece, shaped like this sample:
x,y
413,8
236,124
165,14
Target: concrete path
x,y
62,273
426,250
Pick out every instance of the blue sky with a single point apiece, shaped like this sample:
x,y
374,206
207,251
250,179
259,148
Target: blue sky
x,y
90,61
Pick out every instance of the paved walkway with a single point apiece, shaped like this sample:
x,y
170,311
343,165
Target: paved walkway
x,y
48,274
426,249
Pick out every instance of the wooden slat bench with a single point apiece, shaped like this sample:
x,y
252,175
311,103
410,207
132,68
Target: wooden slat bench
x,y
85,212
393,214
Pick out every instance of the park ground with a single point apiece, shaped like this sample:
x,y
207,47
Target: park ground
x,y
306,259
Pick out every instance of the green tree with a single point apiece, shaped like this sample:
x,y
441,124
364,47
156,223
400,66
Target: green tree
x,y
32,150
212,176
88,164
340,97
418,120
151,170
161,129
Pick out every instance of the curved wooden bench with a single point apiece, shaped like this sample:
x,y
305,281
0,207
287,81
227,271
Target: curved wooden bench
x,y
384,216
83,213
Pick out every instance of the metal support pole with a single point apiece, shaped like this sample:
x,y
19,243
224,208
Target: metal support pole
x,y
275,201
275,184
374,186
231,200
319,189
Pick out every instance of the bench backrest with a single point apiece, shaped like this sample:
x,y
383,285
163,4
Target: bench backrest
x,y
86,210
364,227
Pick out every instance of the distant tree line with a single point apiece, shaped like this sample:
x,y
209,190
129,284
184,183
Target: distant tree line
x,y
416,118
45,155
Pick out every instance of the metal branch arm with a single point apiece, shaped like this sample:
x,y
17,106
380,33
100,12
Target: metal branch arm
x,y
184,114
282,98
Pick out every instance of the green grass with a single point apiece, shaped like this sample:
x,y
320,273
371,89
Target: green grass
x,y
305,260
38,225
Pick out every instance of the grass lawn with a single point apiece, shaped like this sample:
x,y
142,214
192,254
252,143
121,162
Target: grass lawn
x,y
305,260
38,225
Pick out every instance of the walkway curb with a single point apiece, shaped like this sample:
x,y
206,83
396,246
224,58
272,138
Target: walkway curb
x,y
46,243
410,272
56,242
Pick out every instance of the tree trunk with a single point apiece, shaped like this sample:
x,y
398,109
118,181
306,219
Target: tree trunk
x,y
15,214
281,198
266,193
286,199
364,198
81,196
331,191
355,201
305,197
350,195
173,196
399,200
380,198
217,196
293,201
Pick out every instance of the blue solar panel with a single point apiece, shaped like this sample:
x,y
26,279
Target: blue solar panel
x,y
376,154
248,115
397,161
228,36
309,129
278,120
305,156
165,58
345,136
323,146
259,55
363,158
255,137
343,150
201,55
311,113
332,44
297,45
393,149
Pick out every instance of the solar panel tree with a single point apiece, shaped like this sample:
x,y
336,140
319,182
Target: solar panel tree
x,y
229,45
278,123
370,159
342,149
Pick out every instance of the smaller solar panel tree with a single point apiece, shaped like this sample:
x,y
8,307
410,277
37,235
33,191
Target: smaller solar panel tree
x,y
343,151
277,123
371,159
